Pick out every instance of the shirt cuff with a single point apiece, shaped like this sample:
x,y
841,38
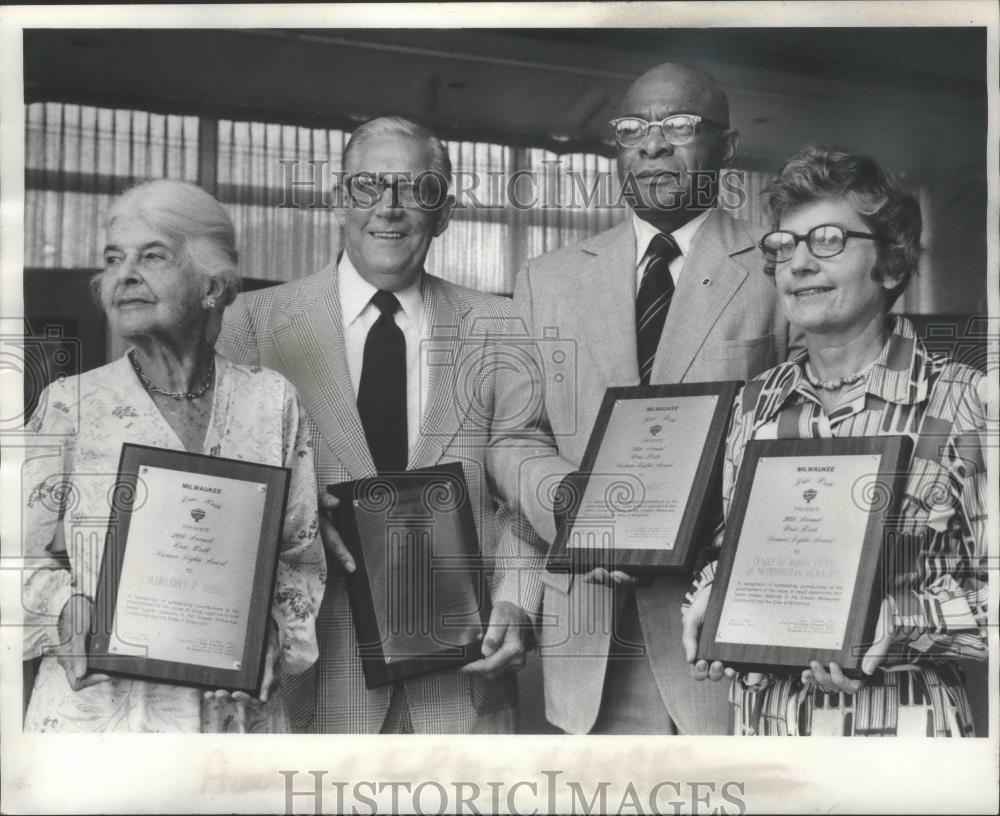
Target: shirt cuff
x,y
523,589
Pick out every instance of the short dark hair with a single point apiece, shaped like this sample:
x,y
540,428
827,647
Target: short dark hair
x,y
818,172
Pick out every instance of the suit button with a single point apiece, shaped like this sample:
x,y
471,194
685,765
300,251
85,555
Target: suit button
x,y
706,282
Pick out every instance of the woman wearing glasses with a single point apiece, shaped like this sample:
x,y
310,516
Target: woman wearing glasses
x,y
845,244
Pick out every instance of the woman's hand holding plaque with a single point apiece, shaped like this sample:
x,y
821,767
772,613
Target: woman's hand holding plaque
x,y
74,624
268,682
833,679
694,617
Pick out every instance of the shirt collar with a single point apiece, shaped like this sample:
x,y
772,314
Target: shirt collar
x,y
899,374
356,293
684,235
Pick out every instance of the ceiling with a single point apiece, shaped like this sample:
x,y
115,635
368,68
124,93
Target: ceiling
x,y
913,97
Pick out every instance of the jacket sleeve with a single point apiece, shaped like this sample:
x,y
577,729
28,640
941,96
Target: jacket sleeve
x,y
238,337
523,455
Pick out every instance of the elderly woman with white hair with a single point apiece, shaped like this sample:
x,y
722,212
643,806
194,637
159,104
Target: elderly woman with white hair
x,y
169,271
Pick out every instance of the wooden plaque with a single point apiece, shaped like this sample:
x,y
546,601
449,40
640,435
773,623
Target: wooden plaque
x,y
184,594
420,594
798,578
649,481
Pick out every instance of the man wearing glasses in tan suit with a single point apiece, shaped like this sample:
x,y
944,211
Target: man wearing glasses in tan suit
x,y
395,368
675,293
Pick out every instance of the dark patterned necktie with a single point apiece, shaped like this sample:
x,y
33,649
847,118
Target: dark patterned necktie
x,y
653,301
382,391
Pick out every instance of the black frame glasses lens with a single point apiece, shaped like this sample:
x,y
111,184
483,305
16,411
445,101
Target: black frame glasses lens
x,y
833,233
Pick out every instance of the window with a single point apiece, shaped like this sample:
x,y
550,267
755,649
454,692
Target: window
x,y
278,183
78,158
255,162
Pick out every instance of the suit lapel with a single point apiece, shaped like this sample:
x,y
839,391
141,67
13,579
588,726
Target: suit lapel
x,y
311,347
696,305
607,284
445,358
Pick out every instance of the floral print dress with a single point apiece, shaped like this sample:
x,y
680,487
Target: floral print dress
x,y
74,443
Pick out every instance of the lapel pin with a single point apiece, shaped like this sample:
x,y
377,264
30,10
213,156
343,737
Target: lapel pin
x,y
706,282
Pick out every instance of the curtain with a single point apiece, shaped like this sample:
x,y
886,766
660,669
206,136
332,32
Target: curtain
x,y
77,158
475,250
278,183
741,195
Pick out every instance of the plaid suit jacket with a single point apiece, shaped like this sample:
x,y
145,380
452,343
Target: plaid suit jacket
x,y
296,329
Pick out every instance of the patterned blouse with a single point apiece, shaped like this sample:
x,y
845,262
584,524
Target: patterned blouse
x,y
940,567
74,442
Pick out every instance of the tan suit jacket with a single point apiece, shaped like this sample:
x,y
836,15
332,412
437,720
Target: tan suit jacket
x,y
296,329
722,325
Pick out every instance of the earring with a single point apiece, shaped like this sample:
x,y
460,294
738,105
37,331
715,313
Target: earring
x,y
209,302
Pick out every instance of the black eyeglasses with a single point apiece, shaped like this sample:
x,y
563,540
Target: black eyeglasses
x,y
824,241
678,129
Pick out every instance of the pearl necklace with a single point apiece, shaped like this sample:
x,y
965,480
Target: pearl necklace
x,y
839,382
190,395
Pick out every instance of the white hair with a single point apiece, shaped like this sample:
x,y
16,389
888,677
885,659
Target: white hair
x,y
186,212
397,125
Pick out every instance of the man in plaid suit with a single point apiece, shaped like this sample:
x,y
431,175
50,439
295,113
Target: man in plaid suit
x,y
316,331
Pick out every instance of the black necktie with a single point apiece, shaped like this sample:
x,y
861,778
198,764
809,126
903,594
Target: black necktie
x,y
382,392
653,301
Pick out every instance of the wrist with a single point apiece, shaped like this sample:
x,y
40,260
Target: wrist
x,y
74,617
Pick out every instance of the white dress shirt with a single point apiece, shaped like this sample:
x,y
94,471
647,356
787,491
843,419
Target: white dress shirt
x,y
359,313
684,236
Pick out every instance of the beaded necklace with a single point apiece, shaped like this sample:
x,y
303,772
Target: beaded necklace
x,y
190,395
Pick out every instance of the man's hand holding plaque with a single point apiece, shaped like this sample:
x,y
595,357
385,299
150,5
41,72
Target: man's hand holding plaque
x,y
644,491
564,507
505,642
332,541
507,635
416,580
